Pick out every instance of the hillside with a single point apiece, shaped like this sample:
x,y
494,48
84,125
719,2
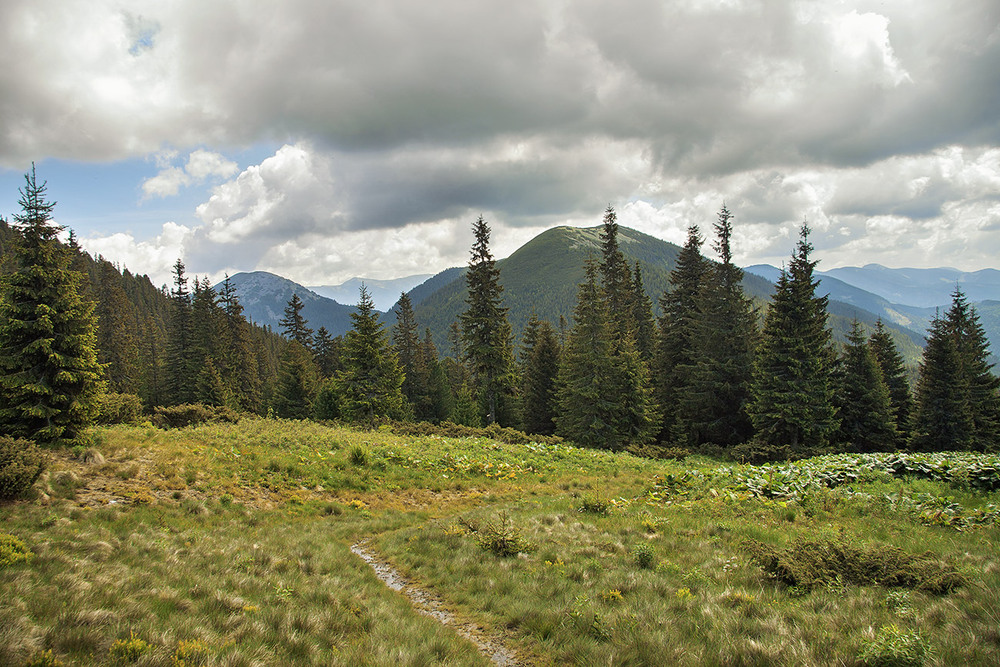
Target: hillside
x,y
923,288
384,293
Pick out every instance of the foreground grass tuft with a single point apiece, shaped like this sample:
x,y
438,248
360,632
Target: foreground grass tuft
x,y
811,563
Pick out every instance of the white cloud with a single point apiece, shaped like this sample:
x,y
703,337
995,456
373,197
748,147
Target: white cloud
x,y
201,165
154,257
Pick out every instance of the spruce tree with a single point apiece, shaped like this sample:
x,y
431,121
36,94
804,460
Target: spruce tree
x,y
616,278
372,379
409,351
293,325
296,384
440,399
791,402
675,350
894,373
983,386
326,349
723,345
242,367
943,420
50,377
540,367
642,318
603,391
117,331
180,365
864,406
486,332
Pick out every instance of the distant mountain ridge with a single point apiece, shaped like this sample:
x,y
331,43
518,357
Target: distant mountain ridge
x,y
923,288
385,293
542,276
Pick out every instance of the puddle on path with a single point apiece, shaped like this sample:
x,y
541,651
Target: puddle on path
x,y
429,605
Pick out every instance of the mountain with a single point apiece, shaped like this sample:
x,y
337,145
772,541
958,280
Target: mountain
x,y
543,275
384,293
923,288
265,295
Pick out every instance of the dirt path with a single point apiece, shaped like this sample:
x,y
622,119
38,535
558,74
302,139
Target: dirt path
x,y
429,604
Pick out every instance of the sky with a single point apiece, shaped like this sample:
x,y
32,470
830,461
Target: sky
x,y
327,140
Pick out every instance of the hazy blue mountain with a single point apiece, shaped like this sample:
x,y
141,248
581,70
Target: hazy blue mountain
x,y
265,295
924,288
384,293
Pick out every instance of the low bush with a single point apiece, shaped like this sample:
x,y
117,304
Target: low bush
x,y
13,551
21,464
496,432
808,564
189,414
657,451
115,408
502,538
893,647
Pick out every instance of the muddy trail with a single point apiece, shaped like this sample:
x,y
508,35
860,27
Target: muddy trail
x,y
428,603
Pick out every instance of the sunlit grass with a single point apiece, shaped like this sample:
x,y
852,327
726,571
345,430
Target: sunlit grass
x,y
230,544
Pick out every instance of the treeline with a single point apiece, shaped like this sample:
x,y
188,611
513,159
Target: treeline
x,y
712,373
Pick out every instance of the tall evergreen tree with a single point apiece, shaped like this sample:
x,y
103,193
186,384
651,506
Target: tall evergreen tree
x,y
864,406
791,403
297,382
539,370
293,325
943,420
409,351
486,332
603,391
326,349
372,379
890,361
241,366
117,331
675,350
179,368
616,278
723,344
440,399
983,386
49,373
642,318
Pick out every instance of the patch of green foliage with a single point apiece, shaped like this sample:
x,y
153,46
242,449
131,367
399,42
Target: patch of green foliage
x,y
189,414
895,647
501,537
21,464
811,563
13,551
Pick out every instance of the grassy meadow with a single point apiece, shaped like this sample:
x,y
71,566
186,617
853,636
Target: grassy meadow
x,y
230,544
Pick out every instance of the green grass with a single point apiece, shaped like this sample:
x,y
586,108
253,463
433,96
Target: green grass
x,y
229,544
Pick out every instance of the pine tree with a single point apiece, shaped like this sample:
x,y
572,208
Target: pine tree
x,y
675,349
724,340
117,332
539,370
440,399
409,351
603,390
642,317
326,349
372,379
50,377
296,384
894,374
943,420
293,325
864,407
486,332
616,278
791,403
179,367
983,386
242,368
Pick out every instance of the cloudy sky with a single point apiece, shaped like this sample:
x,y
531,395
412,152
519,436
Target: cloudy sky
x,y
325,140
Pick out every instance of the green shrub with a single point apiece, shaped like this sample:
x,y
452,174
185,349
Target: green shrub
x,y
657,451
358,455
892,647
644,556
595,505
115,408
827,561
448,429
43,659
188,414
502,538
21,464
13,551
129,650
